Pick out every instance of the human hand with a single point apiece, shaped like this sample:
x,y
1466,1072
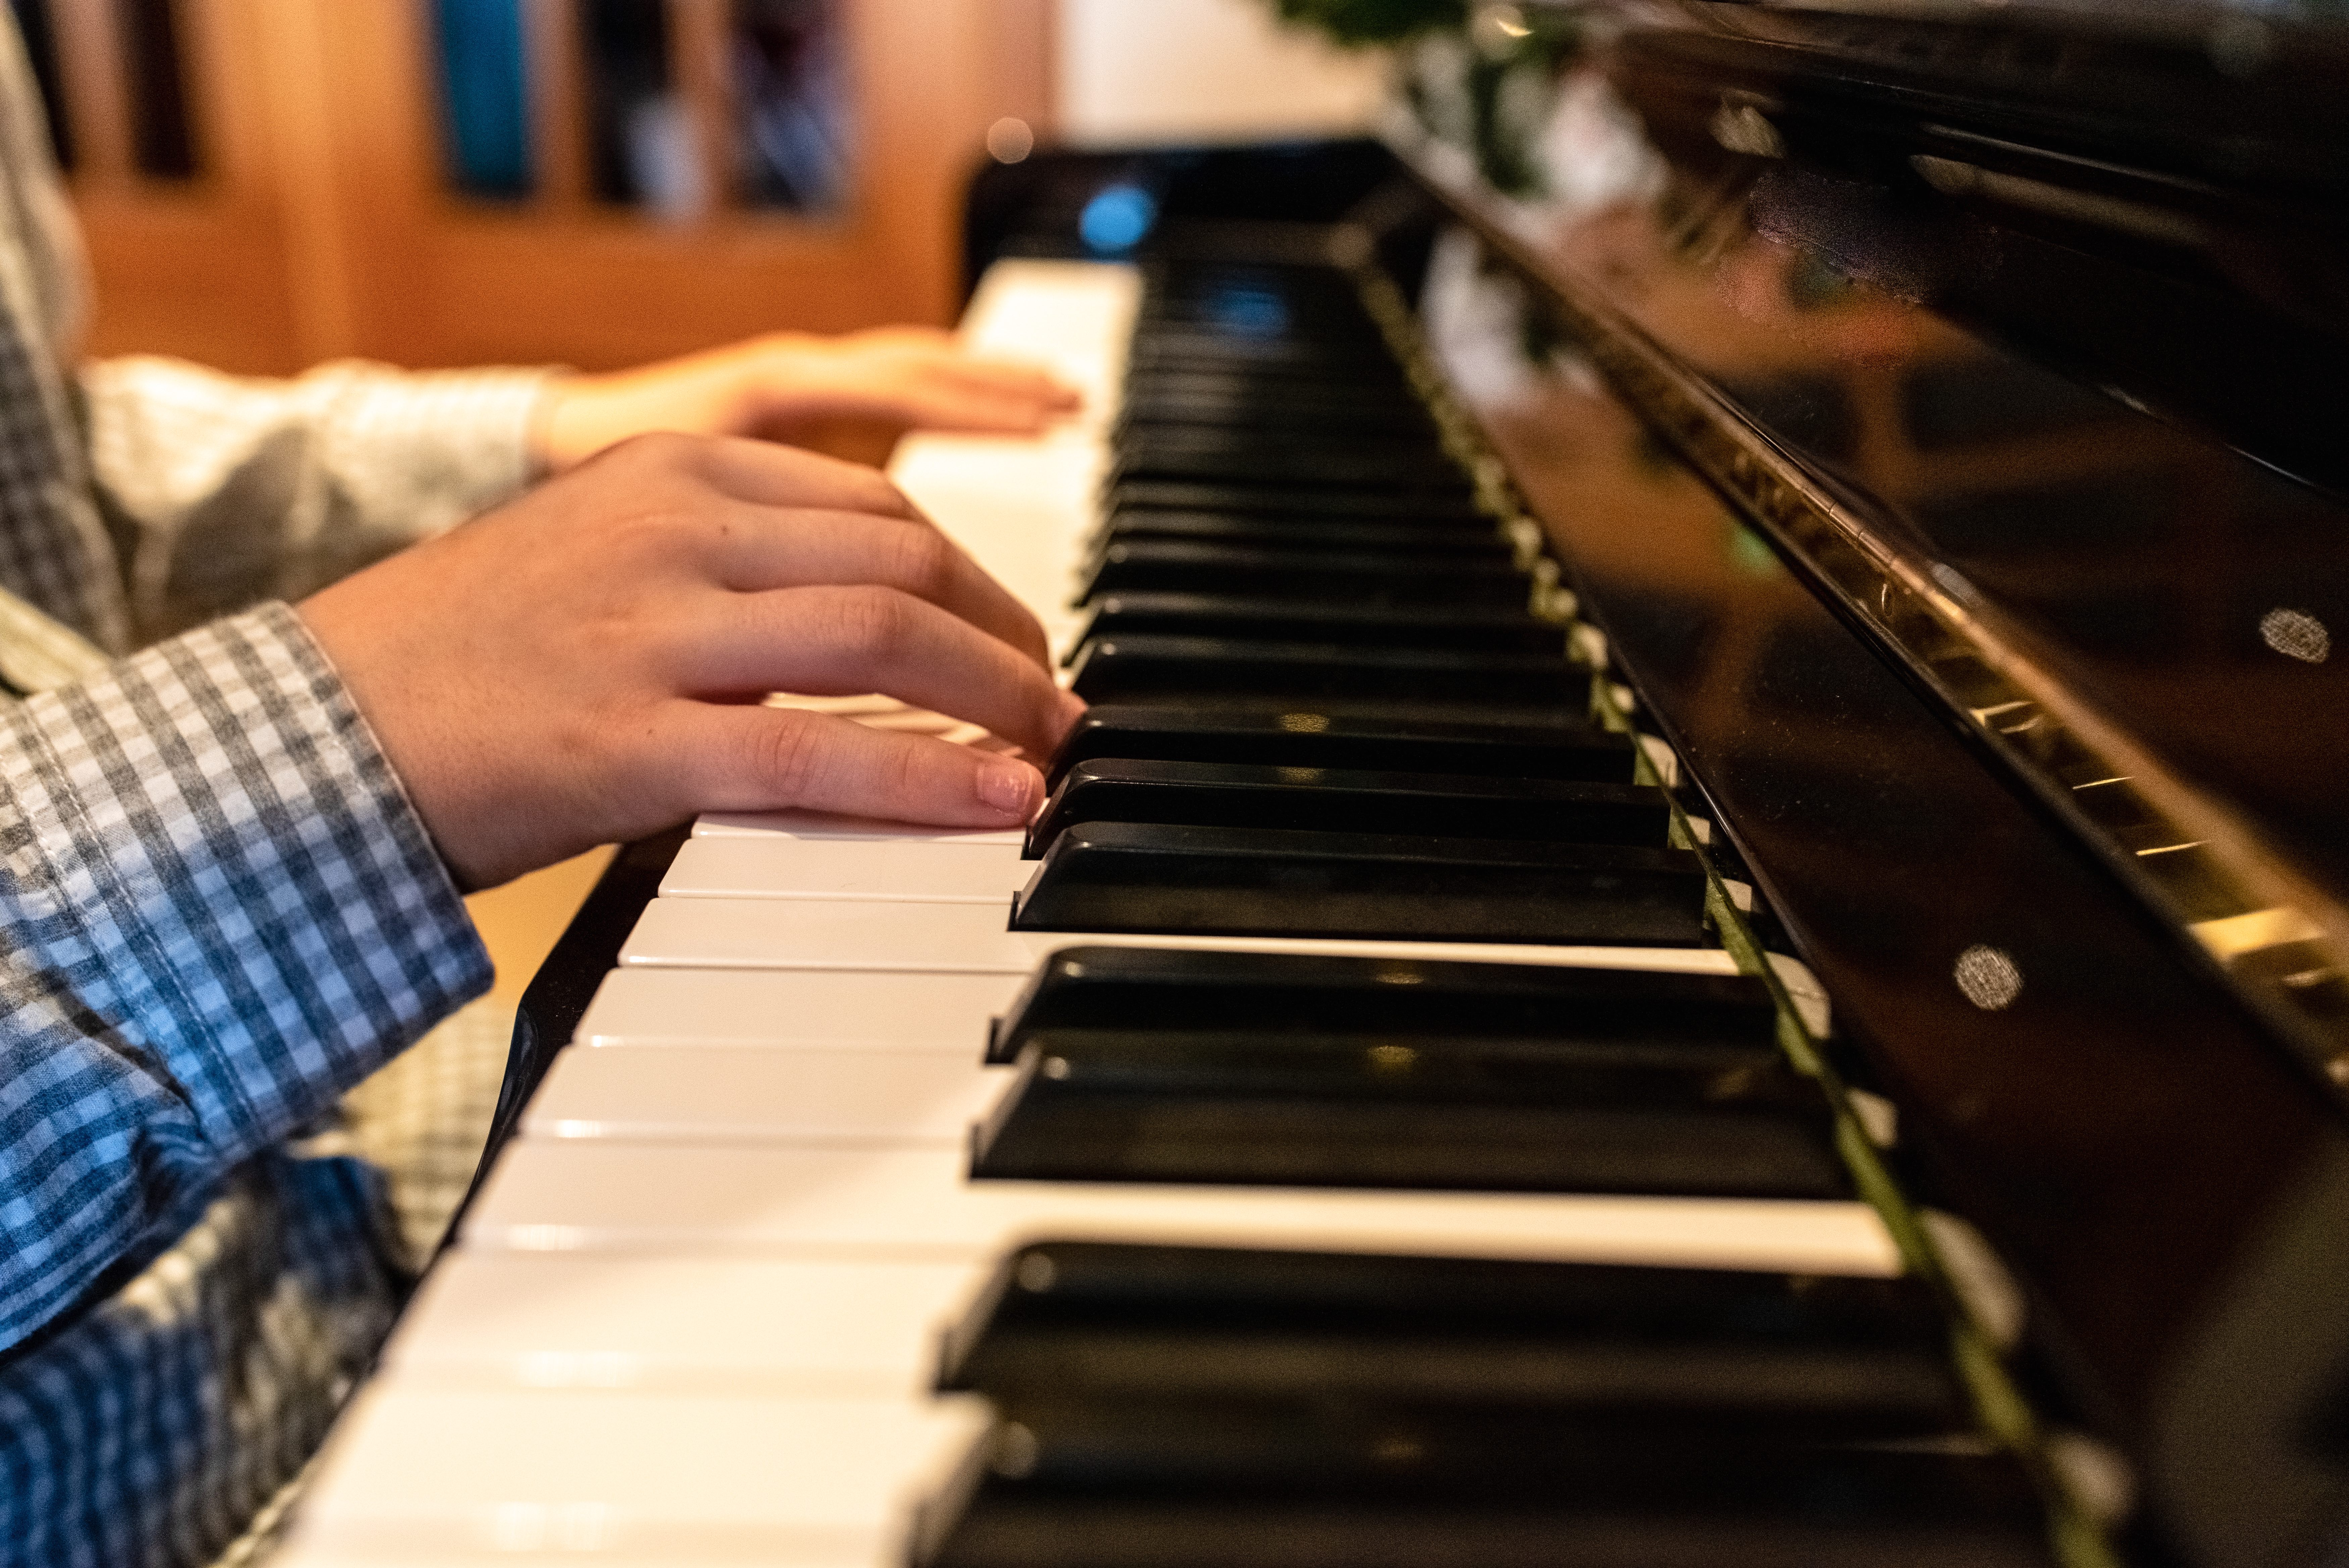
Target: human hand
x,y
770,387
587,664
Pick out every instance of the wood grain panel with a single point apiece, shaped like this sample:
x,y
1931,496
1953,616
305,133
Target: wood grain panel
x,y
325,121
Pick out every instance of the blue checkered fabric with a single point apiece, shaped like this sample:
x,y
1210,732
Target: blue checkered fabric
x,y
218,912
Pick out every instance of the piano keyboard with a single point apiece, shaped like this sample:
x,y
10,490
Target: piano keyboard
x,y
1322,1215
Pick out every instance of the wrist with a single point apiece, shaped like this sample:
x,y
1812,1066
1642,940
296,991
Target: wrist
x,y
540,438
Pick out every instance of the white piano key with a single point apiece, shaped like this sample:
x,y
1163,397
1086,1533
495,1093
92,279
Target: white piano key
x,y
1021,508
831,825
1076,317
433,1473
915,870
843,1009
790,934
1021,514
559,1196
445,1475
681,1324
969,939
876,1096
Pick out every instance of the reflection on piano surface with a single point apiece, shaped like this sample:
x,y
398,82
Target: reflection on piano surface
x,y
1388,1109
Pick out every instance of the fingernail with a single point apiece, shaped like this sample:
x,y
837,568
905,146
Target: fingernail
x,y
1011,788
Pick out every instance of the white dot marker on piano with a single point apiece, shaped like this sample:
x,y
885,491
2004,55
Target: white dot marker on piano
x,y
1988,977
1016,1449
2297,635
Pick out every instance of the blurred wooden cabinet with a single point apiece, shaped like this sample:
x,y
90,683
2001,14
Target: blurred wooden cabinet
x,y
265,183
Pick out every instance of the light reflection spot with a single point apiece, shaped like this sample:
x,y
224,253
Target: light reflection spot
x,y
1010,140
1987,977
2297,635
1117,219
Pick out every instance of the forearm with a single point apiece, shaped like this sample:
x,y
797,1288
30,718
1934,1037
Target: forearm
x,y
234,489
217,913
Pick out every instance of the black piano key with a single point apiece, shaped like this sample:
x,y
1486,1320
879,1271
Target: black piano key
x,y
1273,304
1317,739
1447,537
1113,1485
1249,881
1365,379
1193,452
1126,668
1174,400
1290,402
1166,345
1363,577
1111,987
1259,302
1272,372
1091,1320
1220,398
1335,501
1482,1115
1265,620
1341,800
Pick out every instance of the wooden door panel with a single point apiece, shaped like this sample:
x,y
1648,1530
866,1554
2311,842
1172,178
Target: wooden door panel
x,y
323,222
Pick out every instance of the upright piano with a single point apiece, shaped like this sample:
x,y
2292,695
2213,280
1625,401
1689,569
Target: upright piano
x,y
1703,917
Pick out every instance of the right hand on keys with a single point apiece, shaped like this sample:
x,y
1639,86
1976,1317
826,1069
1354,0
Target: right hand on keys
x,y
585,664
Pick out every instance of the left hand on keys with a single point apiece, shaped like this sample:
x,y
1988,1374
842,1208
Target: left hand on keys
x,y
913,378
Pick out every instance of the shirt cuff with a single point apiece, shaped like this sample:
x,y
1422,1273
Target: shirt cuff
x,y
468,436
233,875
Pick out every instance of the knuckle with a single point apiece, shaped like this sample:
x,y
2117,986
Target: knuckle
x,y
922,561
905,777
870,621
656,534
788,754
874,492
658,449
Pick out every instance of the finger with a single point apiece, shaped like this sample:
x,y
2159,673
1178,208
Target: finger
x,y
734,758
897,337
767,475
933,394
940,404
843,641
764,550
1011,376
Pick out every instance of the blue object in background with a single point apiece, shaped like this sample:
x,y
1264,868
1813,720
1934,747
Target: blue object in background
x,y
484,96
1251,313
1117,219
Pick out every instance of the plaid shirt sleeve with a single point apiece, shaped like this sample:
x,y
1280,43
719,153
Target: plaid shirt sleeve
x,y
217,913
225,490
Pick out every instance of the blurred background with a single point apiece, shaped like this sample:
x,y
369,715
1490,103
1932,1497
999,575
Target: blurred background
x,y
268,183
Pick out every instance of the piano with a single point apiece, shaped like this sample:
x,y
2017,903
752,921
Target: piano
x,y
1699,919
